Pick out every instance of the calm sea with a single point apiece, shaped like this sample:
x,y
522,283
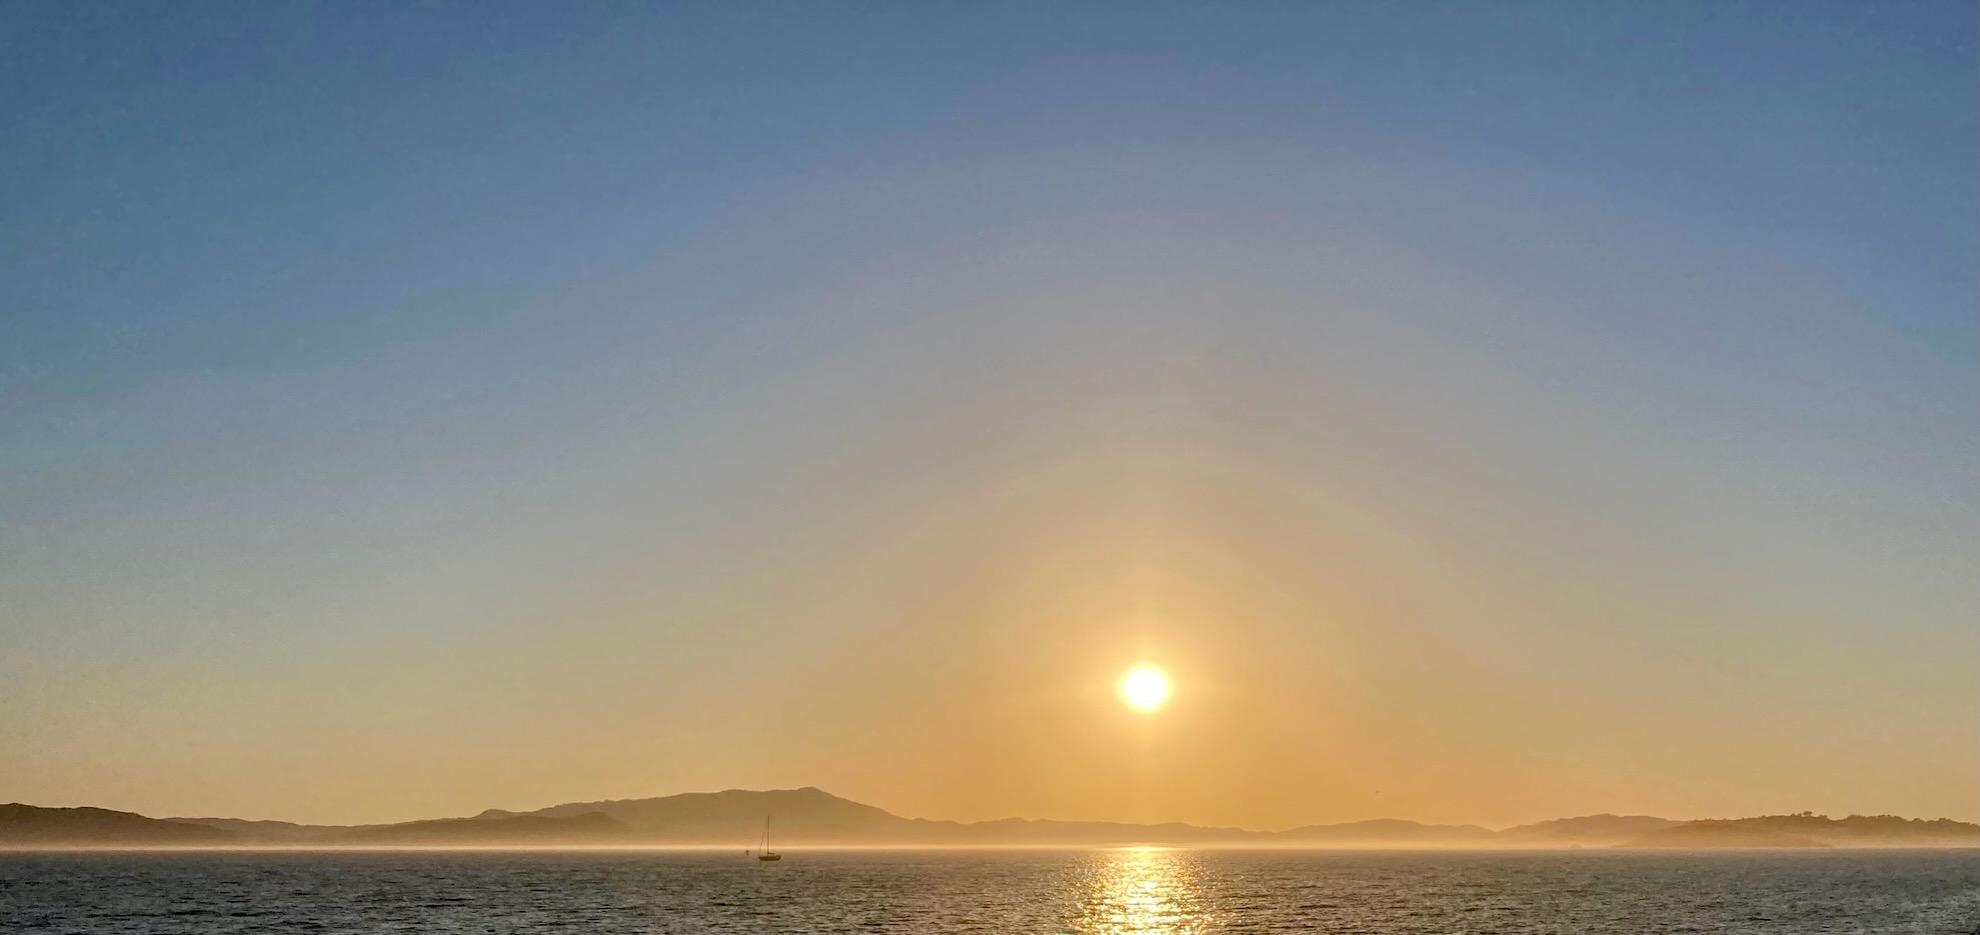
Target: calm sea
x,y
1107,891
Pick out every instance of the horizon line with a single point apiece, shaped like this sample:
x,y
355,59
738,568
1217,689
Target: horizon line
x,y
986,821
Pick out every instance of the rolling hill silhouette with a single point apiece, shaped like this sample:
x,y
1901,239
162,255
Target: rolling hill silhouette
x,y
1588,829
1700,834
589,829
813,817
27,825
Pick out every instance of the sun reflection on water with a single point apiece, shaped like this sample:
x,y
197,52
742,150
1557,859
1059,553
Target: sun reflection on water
x,y
1140,891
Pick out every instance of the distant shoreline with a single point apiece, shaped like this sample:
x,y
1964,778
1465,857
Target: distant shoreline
x,y
812,819
952,848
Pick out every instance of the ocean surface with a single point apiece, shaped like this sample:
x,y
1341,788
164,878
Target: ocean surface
x,y
1100,891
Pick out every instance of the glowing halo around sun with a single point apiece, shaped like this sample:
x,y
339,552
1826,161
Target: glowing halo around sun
x,y
1145,687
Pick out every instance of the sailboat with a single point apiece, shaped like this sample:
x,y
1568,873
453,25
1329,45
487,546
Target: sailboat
x,y
767,853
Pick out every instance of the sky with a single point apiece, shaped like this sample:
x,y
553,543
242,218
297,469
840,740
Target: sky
x,y
1484,412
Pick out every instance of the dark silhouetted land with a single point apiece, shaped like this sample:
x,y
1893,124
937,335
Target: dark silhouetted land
x,y
814,818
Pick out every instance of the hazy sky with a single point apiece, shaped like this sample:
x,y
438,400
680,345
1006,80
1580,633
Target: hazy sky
x,y
1486,412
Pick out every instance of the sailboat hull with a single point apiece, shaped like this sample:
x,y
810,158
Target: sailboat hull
x,y
769,857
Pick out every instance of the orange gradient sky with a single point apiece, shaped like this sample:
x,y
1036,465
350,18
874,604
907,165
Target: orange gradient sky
x,y
1480,422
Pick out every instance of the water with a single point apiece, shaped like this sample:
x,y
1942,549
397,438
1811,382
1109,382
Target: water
x,y
933,892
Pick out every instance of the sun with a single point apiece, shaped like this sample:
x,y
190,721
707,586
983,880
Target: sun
x,y
1145,687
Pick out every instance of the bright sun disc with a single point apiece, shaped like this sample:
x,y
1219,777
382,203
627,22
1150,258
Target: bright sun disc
x,y
1145,687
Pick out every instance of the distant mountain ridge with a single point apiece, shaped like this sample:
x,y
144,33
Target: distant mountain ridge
x,y
1701,834
1810,830
812,817
27,825
1588,829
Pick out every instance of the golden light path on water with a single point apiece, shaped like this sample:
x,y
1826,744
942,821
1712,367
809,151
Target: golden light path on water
x,y
1141,891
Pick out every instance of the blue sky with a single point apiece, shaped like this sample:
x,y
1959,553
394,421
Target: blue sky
x,y
513,353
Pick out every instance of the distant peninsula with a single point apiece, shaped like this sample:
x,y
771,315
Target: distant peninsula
x,y
811,817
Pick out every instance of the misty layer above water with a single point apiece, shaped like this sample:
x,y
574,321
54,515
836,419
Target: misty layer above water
x,y
1109,892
